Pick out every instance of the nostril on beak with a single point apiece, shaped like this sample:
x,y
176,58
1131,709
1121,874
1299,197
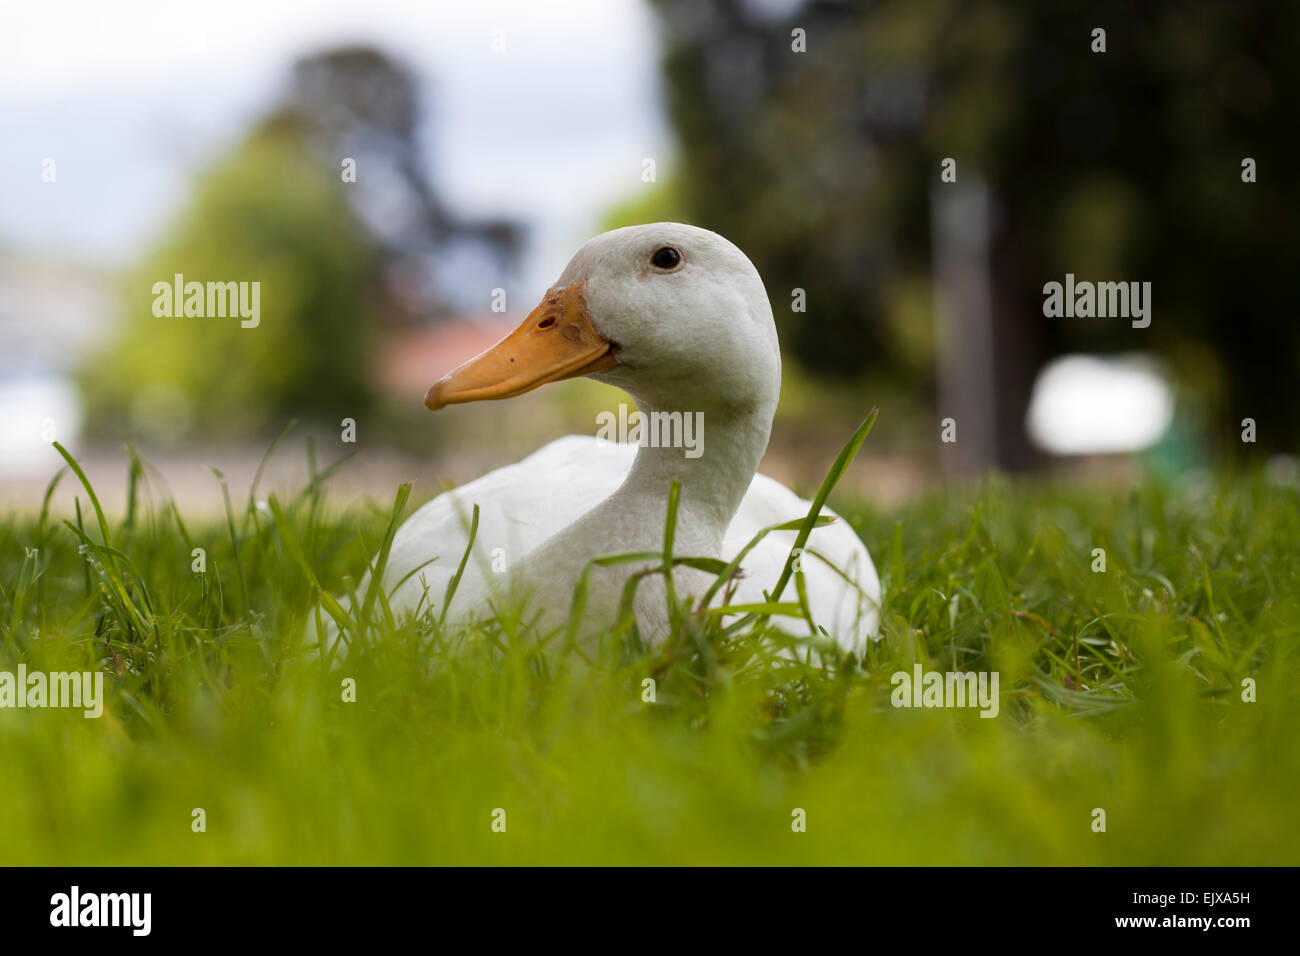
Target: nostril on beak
x,y
547,322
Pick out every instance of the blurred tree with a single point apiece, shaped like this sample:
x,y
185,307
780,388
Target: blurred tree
x,y
336,252
263,214
1123,165
359,103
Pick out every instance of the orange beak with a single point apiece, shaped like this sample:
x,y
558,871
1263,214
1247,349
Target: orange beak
x,y
557,341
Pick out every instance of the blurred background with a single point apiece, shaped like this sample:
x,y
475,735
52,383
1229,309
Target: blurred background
x,y
489,140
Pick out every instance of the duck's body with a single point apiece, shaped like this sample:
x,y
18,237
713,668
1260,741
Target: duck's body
x,y
523,505
678,317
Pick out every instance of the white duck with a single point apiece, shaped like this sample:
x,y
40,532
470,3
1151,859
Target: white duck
x,y
678,317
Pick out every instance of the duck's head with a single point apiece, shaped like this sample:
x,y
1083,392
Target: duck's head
x,y
675,315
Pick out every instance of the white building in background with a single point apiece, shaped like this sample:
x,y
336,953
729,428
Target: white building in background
x,y
52,313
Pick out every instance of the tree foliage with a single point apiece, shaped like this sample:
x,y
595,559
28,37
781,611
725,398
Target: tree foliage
x,y
265,213
1122,165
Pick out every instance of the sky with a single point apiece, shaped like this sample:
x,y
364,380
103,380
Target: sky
x,y
133,98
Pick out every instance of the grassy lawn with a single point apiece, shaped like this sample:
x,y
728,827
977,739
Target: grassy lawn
x,y
1120,690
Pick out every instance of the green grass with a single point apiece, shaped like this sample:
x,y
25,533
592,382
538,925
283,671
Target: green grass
x,y
1120,690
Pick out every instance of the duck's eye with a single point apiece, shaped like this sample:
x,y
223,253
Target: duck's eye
x,y
666,258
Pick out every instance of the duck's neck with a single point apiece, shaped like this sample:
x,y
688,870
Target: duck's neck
x,y
714,457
